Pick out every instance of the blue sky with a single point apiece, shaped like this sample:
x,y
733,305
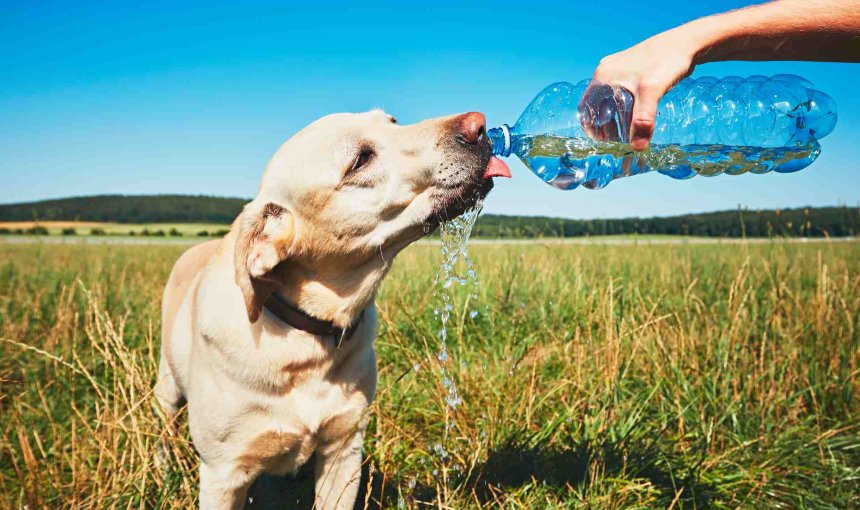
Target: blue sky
x,y
178,97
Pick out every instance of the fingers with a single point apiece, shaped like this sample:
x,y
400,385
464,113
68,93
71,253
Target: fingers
x,y
644,116
646,71
599,107
598,111
588,112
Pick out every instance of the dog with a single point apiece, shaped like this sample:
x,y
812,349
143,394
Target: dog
x,y
267,334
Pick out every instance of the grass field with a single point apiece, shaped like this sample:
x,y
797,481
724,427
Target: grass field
x,y
605,377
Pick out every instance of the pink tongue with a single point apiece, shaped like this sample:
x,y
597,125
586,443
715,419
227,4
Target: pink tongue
x,y
497,168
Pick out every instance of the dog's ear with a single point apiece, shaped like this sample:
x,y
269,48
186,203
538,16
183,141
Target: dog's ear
x,y
265,239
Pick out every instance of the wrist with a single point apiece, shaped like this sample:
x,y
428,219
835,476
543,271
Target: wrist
x,y
689,41
704,38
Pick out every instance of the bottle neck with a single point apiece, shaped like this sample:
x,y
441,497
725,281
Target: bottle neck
x,y
501,138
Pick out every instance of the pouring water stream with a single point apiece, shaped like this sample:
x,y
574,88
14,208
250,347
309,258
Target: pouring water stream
x,y
454,235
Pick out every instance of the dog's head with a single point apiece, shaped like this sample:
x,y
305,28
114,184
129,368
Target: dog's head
x,y
343,196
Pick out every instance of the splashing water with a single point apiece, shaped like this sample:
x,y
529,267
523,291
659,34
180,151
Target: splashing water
x,y
455,236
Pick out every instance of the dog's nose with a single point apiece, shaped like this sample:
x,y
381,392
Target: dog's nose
x,y
471,127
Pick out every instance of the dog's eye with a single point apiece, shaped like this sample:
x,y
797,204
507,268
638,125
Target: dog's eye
x,y
364,157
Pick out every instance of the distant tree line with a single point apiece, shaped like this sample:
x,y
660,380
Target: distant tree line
x,y
808,221
128,209
800,222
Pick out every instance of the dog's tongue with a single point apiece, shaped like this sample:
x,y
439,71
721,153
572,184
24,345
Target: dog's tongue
x,y
497,168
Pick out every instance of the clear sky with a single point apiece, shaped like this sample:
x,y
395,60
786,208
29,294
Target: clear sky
x,y
194,97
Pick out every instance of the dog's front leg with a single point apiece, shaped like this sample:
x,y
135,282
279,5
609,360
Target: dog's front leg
x,y
221,489
338,472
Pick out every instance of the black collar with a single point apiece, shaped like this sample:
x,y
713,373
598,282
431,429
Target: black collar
x,y
292,315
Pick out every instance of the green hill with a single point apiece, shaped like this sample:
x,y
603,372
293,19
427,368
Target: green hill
x,y
128,209
809,221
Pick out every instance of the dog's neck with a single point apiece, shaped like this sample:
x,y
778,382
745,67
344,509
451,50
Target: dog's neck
x,y
336,296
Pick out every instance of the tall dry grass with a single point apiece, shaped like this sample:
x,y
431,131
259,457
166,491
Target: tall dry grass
x,y
593,377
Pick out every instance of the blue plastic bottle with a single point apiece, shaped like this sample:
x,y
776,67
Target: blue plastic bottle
x,y
571,135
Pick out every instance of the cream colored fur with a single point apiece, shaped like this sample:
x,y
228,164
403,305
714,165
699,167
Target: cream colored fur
x,y
262,396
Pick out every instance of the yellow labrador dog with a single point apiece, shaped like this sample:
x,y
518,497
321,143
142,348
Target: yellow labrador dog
x,y
268,333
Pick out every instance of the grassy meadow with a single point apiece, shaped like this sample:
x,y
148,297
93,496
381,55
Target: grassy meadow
x,y
605,377
74,229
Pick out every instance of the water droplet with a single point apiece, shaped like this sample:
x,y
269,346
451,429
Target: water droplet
x,y
453,399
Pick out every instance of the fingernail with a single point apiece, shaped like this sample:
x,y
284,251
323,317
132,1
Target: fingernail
x,y
639,143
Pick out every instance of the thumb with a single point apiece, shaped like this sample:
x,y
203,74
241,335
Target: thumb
x,y
644,117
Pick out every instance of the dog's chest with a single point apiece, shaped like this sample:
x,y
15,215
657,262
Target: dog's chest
x,y
285,431
291,395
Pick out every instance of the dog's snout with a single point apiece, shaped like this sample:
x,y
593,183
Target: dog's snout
x,y
471,127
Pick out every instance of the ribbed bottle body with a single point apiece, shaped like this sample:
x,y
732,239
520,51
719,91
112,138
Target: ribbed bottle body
x,y
576,134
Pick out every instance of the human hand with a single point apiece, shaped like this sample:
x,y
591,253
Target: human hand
x,y
828,31
647,70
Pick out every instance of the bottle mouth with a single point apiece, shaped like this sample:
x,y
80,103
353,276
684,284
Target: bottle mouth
x,y
501,139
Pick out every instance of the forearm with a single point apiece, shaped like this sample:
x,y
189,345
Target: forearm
x,y
822,30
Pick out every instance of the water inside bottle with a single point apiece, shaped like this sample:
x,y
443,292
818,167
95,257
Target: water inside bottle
x,y
567,163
